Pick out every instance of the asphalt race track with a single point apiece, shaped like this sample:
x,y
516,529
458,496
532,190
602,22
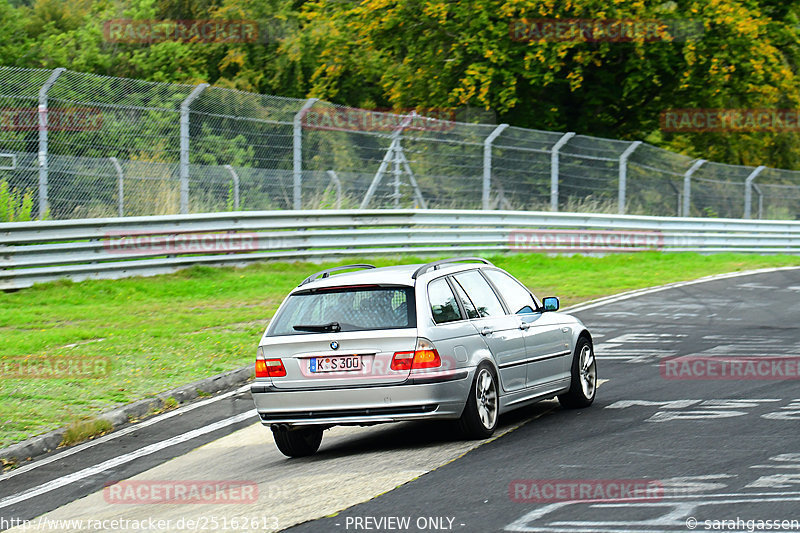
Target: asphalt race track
x,y
711,454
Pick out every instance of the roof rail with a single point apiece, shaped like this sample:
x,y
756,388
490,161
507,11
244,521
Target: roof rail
x,y
326,273
436,264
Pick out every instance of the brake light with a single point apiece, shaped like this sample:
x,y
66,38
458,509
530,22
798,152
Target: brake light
x,y
275,368
268,368
402,361
425,356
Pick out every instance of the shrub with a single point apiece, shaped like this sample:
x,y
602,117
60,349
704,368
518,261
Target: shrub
x,y
15,206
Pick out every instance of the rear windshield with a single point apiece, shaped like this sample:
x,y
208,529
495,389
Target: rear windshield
x,y
346,309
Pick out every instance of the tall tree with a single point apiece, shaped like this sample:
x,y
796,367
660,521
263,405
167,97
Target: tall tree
x,y
452,53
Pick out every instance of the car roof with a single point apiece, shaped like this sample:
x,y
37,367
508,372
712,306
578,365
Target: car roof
x,y
391,275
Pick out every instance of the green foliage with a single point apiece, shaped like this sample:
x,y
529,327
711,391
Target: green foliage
x,y
447,54
15,206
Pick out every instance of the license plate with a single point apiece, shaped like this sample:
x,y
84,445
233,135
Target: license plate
x,y
340,363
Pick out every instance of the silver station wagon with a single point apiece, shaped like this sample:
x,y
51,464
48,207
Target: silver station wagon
x,y
453,339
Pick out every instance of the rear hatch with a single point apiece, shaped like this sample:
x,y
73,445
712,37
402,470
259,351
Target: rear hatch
x,y
342,336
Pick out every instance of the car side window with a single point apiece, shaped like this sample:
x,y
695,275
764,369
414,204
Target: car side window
x,y
443,303
481,294
517,297
465,301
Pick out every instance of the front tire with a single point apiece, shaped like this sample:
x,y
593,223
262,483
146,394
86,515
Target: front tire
x,y
583,384
298,442
479,419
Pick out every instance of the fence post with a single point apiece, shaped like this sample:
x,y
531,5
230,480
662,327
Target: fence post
x,y
687,186
184,164
338,184
297,159
760,200
554,169
235,177
678,195
44,163
487,163
623,175
120,187
748,189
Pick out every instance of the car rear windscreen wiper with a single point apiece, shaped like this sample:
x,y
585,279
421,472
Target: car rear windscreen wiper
x,y
322,328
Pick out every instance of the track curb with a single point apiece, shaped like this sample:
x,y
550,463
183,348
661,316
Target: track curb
x,y
131,413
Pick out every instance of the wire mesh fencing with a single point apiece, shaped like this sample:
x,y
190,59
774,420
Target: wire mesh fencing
x,y
85,146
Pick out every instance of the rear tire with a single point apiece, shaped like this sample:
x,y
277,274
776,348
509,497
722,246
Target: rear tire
x,y
298,442
479,419
583,383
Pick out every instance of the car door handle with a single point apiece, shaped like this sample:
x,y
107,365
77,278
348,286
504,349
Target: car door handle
x,y
524,326
486,331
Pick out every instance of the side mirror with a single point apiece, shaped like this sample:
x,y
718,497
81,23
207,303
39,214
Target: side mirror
x,y
550,303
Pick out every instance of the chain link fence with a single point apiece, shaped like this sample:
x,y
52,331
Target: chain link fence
x,y
97,146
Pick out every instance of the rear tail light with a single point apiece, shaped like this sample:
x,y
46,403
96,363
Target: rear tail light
x,y
275,368
402,361
268,368
425,356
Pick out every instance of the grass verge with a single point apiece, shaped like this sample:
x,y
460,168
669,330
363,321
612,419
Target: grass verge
x,y
82,430
165,331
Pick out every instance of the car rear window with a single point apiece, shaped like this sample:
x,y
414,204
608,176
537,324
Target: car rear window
x,y
345,309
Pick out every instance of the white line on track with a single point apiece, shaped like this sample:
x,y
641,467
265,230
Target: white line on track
x,y
641,292
122,459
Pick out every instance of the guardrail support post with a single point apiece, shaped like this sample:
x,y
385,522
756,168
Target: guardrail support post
x,y
44,163
748,189
487,163
184,164
687,185
235,177
623,175
297,158
554,169
120,186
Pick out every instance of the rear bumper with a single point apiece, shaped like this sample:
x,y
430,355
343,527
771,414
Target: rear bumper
x,y
413,400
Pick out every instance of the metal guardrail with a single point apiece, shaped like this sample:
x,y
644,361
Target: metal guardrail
x,y
110,248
